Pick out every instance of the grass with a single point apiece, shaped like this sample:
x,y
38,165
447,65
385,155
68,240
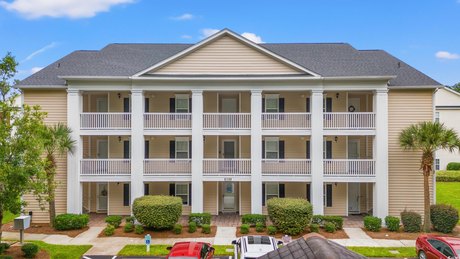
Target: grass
x,y
160,250
404,252
63,251
448,193
8,217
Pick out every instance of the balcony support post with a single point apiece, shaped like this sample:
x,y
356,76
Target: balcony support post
x,y
197,151
74,190
316,143
137,144
380,206
256,151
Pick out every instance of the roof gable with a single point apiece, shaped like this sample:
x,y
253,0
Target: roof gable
x,y
226,53
447,97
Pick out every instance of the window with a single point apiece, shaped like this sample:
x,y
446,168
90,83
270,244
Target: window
x,y
436,164
327,195
126,194
436,116
272,148
182,192
271,190
182,103
327,104
272,103
182,148
327,149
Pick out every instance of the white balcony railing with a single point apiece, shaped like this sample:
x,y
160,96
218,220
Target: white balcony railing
x,y
172,167
167,120
286,120
105,167
105,120
226,120
349,167
235,167
349,120
286,167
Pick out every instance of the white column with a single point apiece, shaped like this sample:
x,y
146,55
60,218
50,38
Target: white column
x,y
74,191
137,144
316,143
197,151
256,151
380,205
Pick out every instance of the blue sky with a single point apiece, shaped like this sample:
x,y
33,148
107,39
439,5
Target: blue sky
x,y
423,33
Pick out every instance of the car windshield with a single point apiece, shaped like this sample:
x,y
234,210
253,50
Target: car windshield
x,y
259,240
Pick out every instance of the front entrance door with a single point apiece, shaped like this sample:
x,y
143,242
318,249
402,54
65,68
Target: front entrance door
x,y
229,148
102,104
229,104
102,148
353,198
102,194
229,197
353,149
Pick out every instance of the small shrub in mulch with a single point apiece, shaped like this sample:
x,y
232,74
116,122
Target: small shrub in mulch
x,y
109,230
206,229
392,223
130,219
138,229
192,227
444,217
244,229
330,227
129,227
271,230
200,218
372,223
260,227
177,229
71,221
114,220
412,221
30,250
253,219
314,228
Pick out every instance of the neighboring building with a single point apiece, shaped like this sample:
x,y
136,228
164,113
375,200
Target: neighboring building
x,y
226,124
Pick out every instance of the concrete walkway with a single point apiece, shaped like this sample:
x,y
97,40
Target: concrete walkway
x,y
224,236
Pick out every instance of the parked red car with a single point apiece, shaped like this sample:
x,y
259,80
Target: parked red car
x,y
190,250
437,247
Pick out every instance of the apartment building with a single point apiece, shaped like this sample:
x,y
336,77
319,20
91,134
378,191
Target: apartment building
x,y
227,124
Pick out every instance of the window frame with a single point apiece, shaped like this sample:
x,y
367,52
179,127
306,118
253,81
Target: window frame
x,y
437,164
277,151
182,97
176,194
176,149
325,195
436,116
275,98
272,195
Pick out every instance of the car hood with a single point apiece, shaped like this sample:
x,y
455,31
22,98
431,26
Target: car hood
x,y
259,251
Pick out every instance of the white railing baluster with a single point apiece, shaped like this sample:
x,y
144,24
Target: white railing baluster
x,y
226,167
105,120
349,120
105,167
159,166
286,120
349,167
226,120
286,167
167,120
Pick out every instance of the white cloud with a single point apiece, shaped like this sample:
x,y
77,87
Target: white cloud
x,y
35,69
208,32
184,17
186,36
252,37
60,8
35,53
446,55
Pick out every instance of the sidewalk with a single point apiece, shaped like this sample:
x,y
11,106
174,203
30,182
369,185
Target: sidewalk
x,y
224,236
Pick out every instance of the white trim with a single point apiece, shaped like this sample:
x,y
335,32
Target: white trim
x,y
220,34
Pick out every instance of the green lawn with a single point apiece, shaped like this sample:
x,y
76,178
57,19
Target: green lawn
x,y
63,251
404,252
8,216
448,193
160,250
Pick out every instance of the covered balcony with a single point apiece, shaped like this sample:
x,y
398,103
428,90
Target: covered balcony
x,y
227,110
106,111
167,110
286,110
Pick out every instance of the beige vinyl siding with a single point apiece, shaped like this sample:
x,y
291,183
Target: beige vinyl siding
x,y
159,101
406,107
162,188
245,198
210,197
339,200
226,56
295,147
54,102
115,203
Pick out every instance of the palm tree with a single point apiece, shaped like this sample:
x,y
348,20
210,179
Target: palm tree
x,y
428,137
57,142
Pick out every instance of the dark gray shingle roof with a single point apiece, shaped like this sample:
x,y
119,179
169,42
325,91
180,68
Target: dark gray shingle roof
x,y
326,59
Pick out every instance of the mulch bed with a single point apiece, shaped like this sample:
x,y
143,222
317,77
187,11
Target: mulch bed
x,y
16,252
44,228
162,234
339,234
401,235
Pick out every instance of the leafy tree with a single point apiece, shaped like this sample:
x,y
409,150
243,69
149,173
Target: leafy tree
x,y
57,142
428,137
456,87
21,145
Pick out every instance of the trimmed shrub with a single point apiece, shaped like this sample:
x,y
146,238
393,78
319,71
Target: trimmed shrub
x,y
130,219
317,219
29,250
253,219
200,218
290,215
372,223
271,230
260,227
443,217
114,220
177,229
70,221
192,227
329,227
392,223
412,221
157,211
4,247
129,227
138,229
453,166
314,227
206,229
109,230
337,220
244,229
